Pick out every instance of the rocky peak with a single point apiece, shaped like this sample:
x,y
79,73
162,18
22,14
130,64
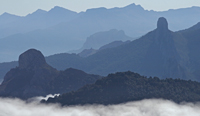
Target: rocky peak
x,y
162,24
134,7
31,59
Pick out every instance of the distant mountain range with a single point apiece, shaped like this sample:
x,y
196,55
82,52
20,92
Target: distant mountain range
x,y
60,30
40,19
160,53
124,87
34,77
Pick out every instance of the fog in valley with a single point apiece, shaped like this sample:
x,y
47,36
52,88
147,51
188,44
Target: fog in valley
x,y
150,107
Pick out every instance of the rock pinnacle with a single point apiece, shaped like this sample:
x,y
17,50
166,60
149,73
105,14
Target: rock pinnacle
x,y
31,59
162,24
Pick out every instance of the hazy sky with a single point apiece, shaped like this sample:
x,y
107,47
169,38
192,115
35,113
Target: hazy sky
x,y
23,7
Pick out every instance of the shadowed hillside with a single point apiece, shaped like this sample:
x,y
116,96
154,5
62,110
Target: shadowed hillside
x,y
34,77
123,87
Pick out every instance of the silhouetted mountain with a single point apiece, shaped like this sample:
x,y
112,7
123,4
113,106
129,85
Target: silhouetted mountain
x,y
60,37
57,59
158,53
39,19
34,77
161,53
60,61
128,86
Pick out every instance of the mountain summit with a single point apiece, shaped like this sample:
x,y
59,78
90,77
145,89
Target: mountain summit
x,y
162,24
134,7
31,59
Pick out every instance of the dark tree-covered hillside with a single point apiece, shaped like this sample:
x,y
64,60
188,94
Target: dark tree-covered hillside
x,y
128,86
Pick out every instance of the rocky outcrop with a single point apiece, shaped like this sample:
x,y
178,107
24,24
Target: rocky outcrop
x,y
31,59
162,24
34,77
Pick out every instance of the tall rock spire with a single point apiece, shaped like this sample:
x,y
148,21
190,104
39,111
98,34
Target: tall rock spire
x,y
162,24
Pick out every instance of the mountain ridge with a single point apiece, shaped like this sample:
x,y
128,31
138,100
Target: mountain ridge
x,y
130,20
163,54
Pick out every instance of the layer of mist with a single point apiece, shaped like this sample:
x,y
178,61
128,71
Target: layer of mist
x,y
150,107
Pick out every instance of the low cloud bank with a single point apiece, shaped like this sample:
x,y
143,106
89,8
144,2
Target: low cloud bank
x,y
150,107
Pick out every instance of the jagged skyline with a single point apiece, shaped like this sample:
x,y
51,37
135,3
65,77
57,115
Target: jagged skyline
x,y
24,7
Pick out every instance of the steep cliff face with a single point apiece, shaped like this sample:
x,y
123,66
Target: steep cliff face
x,y
34,77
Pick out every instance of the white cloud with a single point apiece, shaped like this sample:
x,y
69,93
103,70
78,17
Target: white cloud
x,y
151,107
39,98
